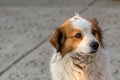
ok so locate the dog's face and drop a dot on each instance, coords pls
(78, 34)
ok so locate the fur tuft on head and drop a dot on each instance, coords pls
(77, 14)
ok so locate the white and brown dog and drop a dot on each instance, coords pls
(80, 51)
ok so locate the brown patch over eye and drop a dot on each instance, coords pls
(94, 32)
(78, 35)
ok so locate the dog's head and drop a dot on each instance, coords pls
(78, 34)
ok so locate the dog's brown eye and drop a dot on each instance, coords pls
(94, 32)
(78, 35)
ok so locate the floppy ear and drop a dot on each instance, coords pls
(57, 39)
(99, 34)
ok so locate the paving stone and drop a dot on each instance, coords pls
(35, 66)
(45, 3)
(17, 36)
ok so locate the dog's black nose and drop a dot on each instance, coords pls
(94, 45)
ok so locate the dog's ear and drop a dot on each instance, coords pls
(57, 39)
(99, 31)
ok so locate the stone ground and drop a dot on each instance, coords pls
(25, 26)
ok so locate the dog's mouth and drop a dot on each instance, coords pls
(90, 53)
(82, 53)
(93, 52)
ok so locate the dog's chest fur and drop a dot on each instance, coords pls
(78, 67)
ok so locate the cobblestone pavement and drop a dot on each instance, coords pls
(25, 26)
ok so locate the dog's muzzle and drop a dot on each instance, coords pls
(94, 47)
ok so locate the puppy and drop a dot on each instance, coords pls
(79, 52)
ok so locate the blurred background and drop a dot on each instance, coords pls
(26, 25)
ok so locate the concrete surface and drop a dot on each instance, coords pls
(25, 26)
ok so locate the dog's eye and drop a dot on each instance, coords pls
(78, 35)
(94, 32)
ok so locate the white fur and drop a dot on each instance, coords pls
(80, 22)
(64, 69)
(84, 45)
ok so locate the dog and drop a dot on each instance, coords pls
(80, 53)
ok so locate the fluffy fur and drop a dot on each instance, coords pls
(72, 61)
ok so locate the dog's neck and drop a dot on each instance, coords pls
(89, 65)
(78, 66)
(86, 59)
(79, 59)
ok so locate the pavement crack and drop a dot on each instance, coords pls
(23, 56)
(92, 3)
(88, 6)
